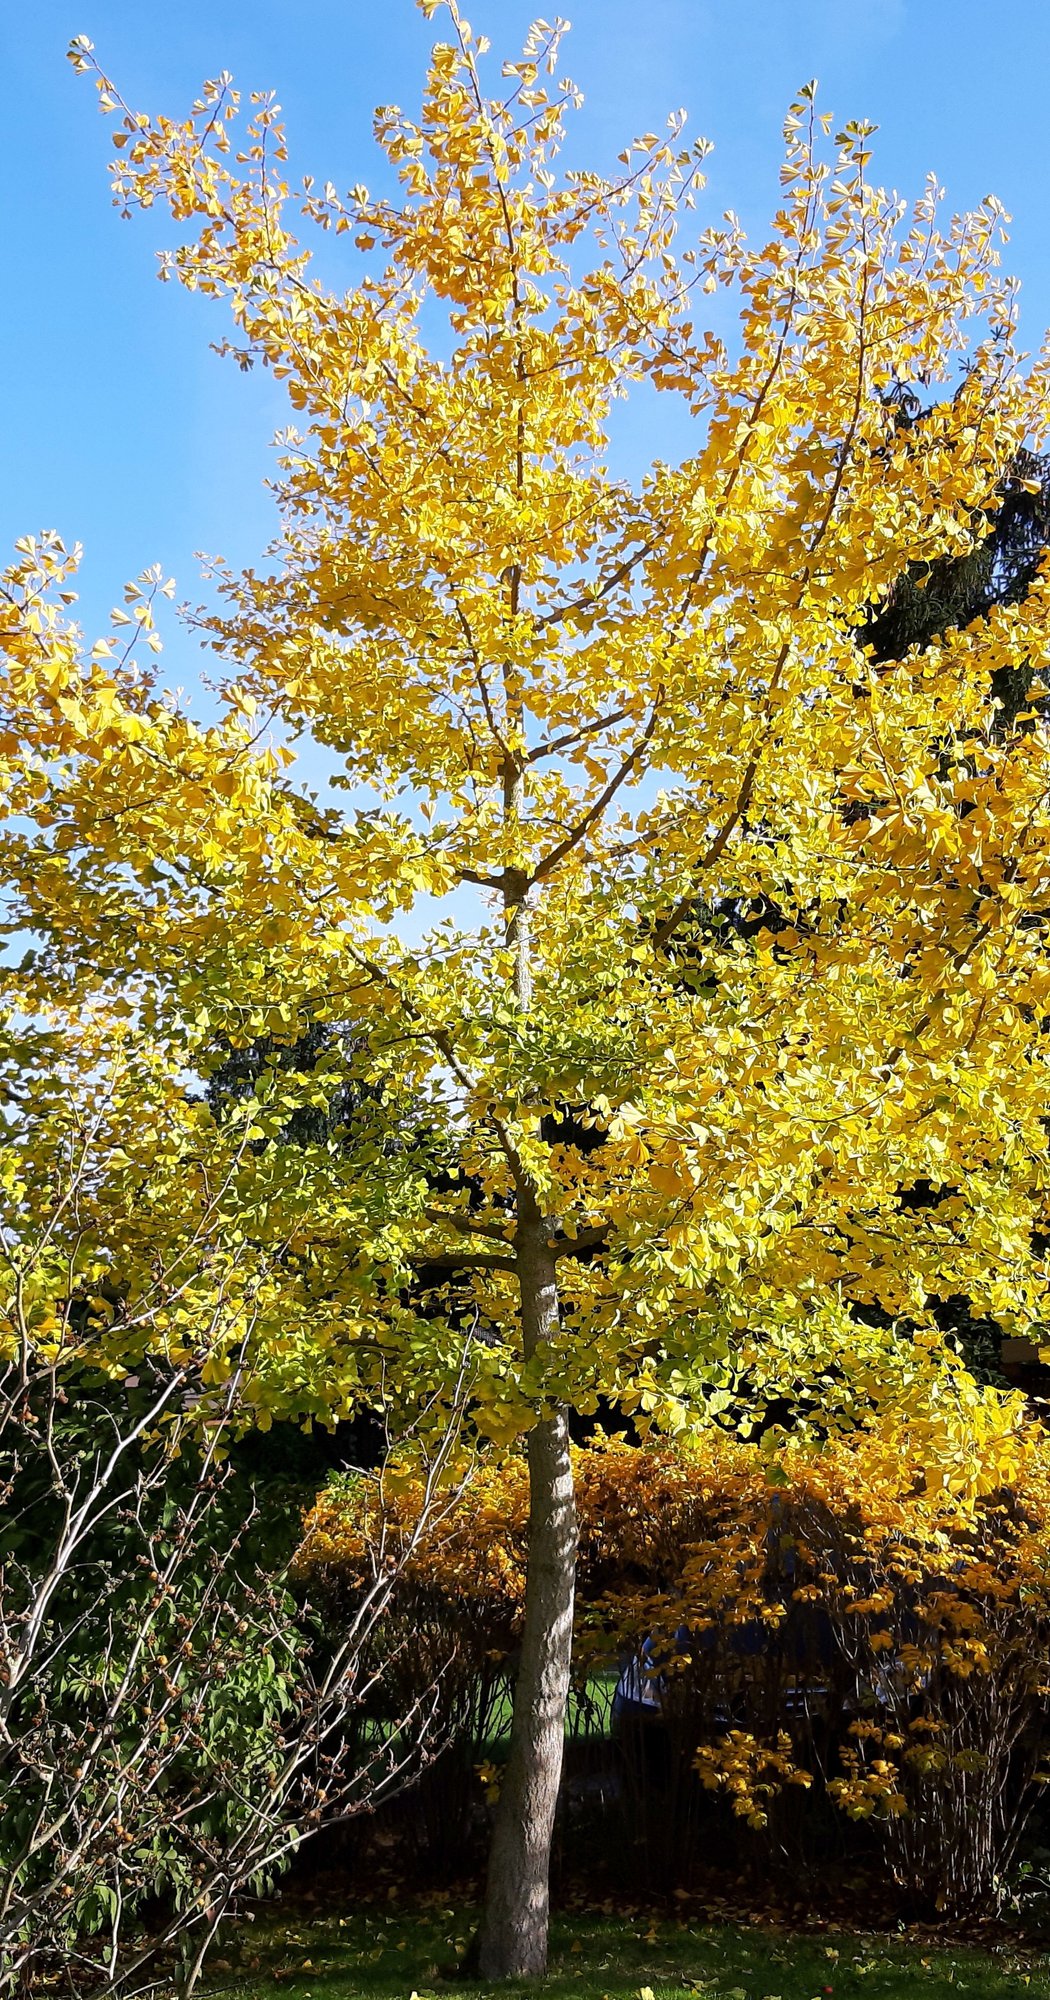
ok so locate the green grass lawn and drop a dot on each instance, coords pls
(406, 1952)
(588, 1717)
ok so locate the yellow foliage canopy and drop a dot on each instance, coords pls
(612, 716)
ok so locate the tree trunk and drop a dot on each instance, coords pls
(513, 1938)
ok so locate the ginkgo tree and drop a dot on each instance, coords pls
(626, 1141)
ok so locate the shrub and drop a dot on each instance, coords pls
(864, 1628)
(173, 1721)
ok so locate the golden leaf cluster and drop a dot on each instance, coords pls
(590, 724)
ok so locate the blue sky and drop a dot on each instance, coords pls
(124, 431)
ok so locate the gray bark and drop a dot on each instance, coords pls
(513, 1938)
(512, 1942)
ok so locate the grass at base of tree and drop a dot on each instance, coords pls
(411, 1950)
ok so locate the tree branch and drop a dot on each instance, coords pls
(587, 1239)
(576, 735)
(463, 1260)
(592, 598)
(550, 861)
(466, 1226)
